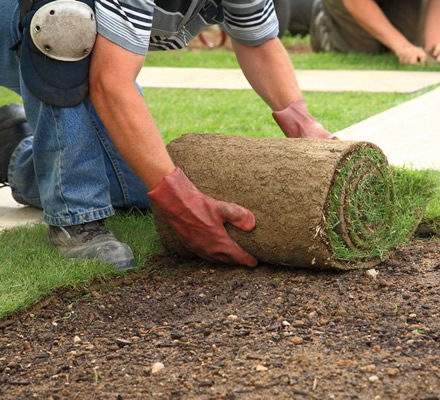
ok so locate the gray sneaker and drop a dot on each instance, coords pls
(91, 240)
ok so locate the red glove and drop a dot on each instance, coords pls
(199, 219)
(296, 122)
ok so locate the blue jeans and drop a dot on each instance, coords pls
(69, 168)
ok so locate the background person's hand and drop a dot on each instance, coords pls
(410, 54)
(199, 220)
(435, 52)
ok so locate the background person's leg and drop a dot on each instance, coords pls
(334, 29)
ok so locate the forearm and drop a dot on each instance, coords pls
(124, 112)
(133, 131)
(270, 72)
(432, 25)
(370, 17)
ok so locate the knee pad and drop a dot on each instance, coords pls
(58, 38)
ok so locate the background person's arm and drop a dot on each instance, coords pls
(370, 16)
(432, 29)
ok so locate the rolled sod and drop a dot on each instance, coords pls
(317, 203)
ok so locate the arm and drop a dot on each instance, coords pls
(270, 72)
(432, 29)
(197, 218)
(370, 16)
(124, 113)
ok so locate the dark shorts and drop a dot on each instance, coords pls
(334, 29)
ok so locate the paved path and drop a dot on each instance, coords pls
(13, 214)
(308, 80)
(409, 134)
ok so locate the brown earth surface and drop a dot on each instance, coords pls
(225, 332)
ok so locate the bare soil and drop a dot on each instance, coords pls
(224, 332)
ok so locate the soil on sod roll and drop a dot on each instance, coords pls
(224, 332)
(317, 203)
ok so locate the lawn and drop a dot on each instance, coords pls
(29, 270)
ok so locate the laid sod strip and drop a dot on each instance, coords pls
(181, 110)
(8, 97)
(30, 270)
(176, 111)
(318, 204)
(223, 58)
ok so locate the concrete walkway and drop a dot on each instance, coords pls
(310, 80)
(408, 133)
(13, 214)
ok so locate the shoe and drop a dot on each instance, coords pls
(91, 240)
(316, 26)
(13, 129)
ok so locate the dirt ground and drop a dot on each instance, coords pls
(223, 332)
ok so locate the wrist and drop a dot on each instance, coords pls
(399, 44)
(296, 122)
(173, 191)
(293, 118)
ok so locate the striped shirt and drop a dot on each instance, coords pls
(142, 25)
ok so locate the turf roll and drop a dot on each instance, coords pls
(317, 203)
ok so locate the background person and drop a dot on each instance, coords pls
(408, 28)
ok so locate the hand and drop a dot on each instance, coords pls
(296, 122)
(435, 52)
(199, 219)
(410, 54)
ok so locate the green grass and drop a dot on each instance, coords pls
(224, 58)
(7, 97)
(29, 270)
(180, 111)
(381, 206)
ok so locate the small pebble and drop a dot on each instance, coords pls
(261, 368)
(76, 339)
(372, 273)
(373, 378)
(232, 317)
(296, 340)
(157, 367)
(313, 315)
(393, 371)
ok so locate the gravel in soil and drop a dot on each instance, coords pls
(193, 330)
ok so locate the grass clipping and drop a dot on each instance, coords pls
(318, 204)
